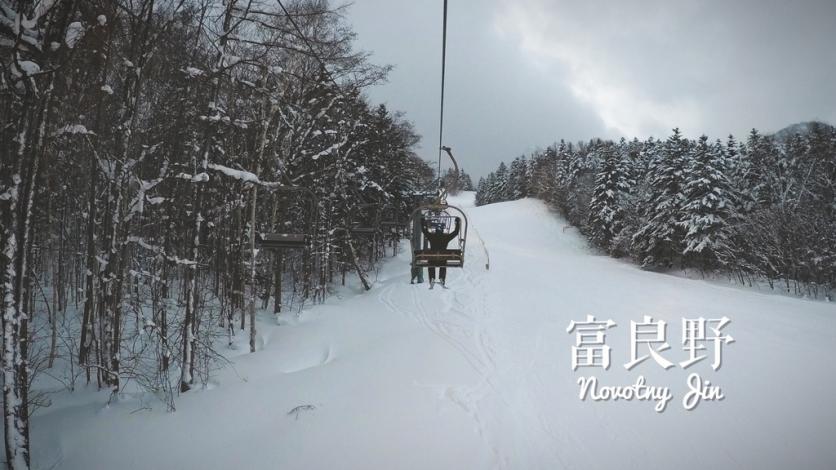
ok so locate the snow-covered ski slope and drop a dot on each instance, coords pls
(479, 375)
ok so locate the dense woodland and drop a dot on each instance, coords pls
(761, 209)
(140, 139)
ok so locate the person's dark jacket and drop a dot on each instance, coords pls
(439, 241)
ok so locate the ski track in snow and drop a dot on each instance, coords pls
(461, 316)
(457, 316)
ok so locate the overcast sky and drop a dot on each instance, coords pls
(524, 73)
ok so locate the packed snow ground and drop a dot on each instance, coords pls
(479, 375)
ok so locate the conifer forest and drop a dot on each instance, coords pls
(761, 209)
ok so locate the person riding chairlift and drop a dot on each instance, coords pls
(438, 242)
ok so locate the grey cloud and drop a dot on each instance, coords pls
(523, 73)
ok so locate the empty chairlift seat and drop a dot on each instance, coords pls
(277, 241)
(366, 220)
(357, 230)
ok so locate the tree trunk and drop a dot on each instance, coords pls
(353, 254)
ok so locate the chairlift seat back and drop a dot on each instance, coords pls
(281, 240)
(438, 258)
(364, 230)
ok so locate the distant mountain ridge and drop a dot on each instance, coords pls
(799, 128)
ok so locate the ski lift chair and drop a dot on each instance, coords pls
(368, 225)
(289, 241)
(441, 216)
(282, 241)
(392, 222)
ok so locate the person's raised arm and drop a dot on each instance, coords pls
(450, 236)
(458, 227)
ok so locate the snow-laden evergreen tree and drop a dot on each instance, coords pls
(517, 179)
(605, 220)
(466, 182)
(480, 192)
(454, 185)
(821, 162)
(562, 177)
(708, 207)
(582, 166)
(632, 168)
(787, 176)
(543, 174)
(487, 195)
(732, 151)
(755, 176)
(499, 186)
(658, 243)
